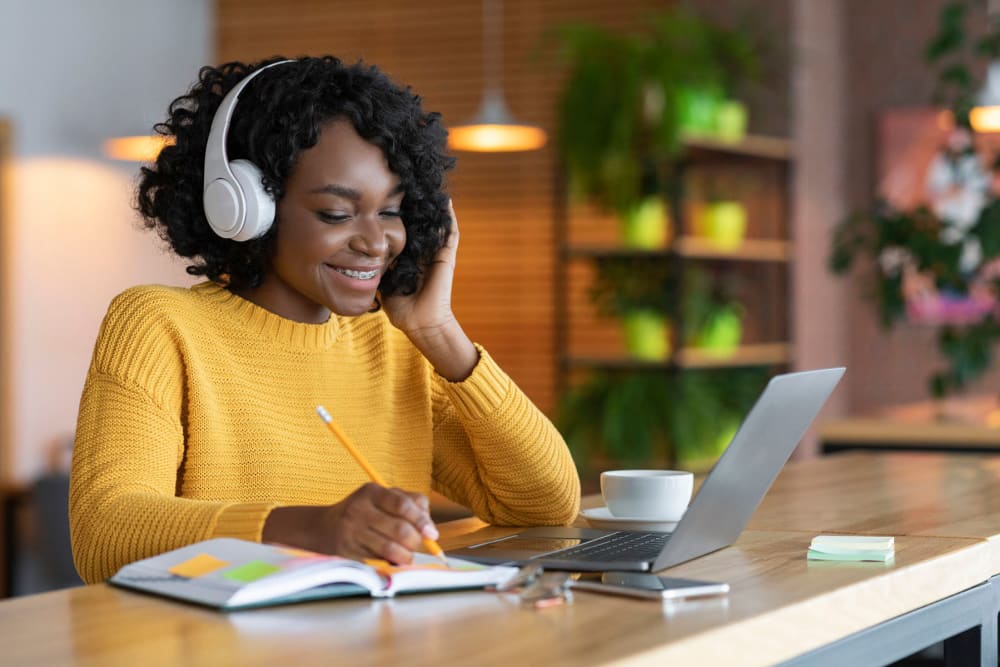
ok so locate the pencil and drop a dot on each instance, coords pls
(430, 544)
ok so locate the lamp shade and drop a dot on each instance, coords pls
(493, 129)
(138, 148)
(985, 116)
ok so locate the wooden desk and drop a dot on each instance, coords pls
(781, 605)
(904, 493)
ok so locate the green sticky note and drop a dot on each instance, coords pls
(252, 571)
(875, 556)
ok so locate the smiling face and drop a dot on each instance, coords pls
(339, 230)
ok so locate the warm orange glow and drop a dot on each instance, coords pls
(136, 149)
(496, 138)
(985, 119)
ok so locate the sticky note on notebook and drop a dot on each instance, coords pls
(252, 571)
(198, 566)
(852, 548)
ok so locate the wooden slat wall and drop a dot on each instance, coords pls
(504, 287)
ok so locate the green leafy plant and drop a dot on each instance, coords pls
(707, 298)
(650, 417)
(618, 114)
(706, 409)
(623, 285)
(917, 233)
(619, 140)
(619, 416)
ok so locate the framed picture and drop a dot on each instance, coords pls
(925, 160)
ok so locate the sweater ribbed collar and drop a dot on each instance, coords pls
(264, 322)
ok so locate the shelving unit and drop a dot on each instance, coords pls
(756, 172)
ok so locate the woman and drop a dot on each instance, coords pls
(198, 415)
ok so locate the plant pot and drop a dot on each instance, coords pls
(731, 121)
(722, 332)
(697, 110)
(647, 225)
(725, 224)
(647, 335)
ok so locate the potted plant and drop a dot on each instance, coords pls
(641, 293)
(618, 419)
(711, 313)
(626, 101)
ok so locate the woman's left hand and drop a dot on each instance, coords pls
(427, 319)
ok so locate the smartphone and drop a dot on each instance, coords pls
(643, 585)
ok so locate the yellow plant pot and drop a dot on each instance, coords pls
(721, 334)
(731, 121)
(725, 224)
(647, 225)
(647, 335)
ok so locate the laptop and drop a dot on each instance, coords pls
(719, 511)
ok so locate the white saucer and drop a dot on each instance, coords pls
(601, 517)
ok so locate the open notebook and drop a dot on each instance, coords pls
(229, 574)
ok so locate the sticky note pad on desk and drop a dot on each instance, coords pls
(852, 548)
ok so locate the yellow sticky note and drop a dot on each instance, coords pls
(198, 566)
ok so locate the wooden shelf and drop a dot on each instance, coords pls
(756, 146)
(695, 247)
(763, 354)
(756, 250)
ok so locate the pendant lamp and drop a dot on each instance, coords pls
(138, 148)
(493, 128)
(985, 116)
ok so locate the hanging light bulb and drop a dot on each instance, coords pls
(139, 148)
(985, 116)
(493, 128)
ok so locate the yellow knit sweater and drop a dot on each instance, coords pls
(199, 416)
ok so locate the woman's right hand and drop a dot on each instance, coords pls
(372, 522)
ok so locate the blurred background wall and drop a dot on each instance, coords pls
(74, 75)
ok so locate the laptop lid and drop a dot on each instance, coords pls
(737, 483)
(723, 505)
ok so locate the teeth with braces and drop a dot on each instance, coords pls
(361, 275)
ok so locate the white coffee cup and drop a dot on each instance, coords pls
(660, 495)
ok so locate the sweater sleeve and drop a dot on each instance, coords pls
(496, 453)
(128, 449)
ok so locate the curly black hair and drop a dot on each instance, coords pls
(280, 114)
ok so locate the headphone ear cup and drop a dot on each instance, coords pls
(259, 205)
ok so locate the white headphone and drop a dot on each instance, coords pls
(236, 204)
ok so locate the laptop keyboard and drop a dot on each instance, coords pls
(625, 545)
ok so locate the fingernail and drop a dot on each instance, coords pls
(430, 532)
